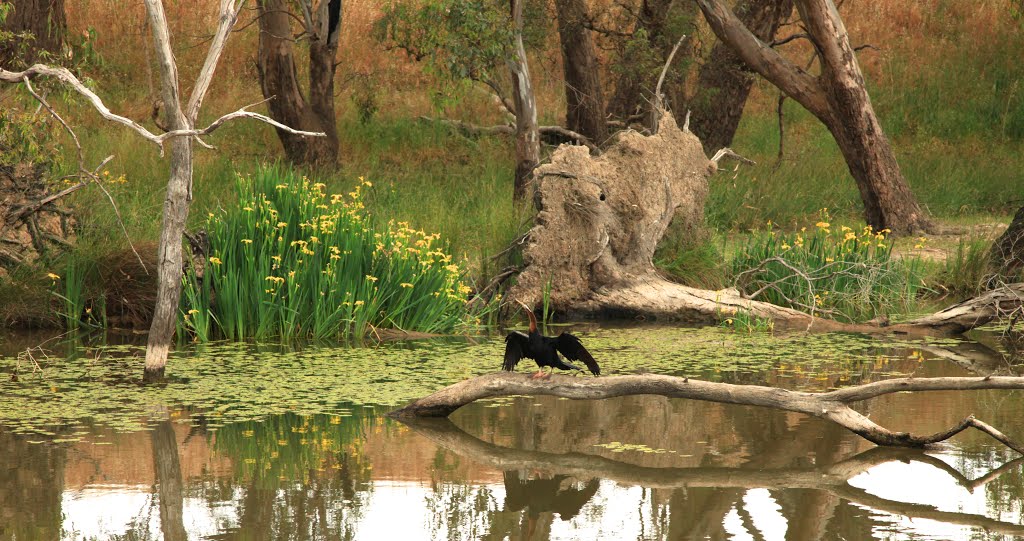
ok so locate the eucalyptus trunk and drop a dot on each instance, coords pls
(46, 23)
(527, 136)
(584, 96)
(176, 202)
(280, 82)
(840, 100)
(724, 81)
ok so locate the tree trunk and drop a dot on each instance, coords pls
(888, 201)
(176, 203)
(1006, 258)
(584, 97)
(527, 138)
(724, 81)
(170, 258)
(45, 20)
(839, 99)
(279, 79)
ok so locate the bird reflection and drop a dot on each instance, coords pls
(545, 494)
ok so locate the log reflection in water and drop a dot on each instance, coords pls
(833, 478)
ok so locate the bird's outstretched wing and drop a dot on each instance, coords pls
(515, 344)
(573, 349)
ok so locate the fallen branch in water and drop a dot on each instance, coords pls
(832, 405)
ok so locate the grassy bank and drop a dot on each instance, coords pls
(962, 162)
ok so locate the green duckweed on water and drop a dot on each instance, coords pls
(243, 382)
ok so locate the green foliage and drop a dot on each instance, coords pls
(965, 272)
(293, 445)
(834, 272)
(26, 139)
(79, 309)
(463, 40)
(288, 261)
(744, 321)
(693, 262)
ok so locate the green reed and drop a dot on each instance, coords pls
(292, 261)
(835, 272)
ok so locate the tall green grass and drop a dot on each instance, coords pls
(288, 261)
(831, 271)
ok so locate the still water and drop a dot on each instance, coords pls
(253, 442)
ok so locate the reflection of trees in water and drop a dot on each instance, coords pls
(802, 469)
(167, 472)
(460, 511)
(31, 487)
(303, 477)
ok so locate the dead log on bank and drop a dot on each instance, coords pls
(832, 406)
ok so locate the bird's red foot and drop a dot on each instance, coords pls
(536, 375)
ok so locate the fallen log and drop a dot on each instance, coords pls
(832, 406)
(833, 478)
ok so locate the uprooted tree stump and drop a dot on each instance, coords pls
(832, 406)
(600, 219)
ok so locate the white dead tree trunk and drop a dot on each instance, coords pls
(527, 135)
(181, 124)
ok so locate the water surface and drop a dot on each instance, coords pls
(263, 442)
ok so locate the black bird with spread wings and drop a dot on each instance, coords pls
(545, 350)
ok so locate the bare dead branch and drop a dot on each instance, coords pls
(229, 10)
(69, 79)
(791, 37)
(832, 406)
(728, 153)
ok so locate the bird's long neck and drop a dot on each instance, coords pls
(533, 321)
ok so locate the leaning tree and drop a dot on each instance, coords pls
(181, 124)
(838, 97)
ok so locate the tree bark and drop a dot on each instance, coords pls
(724, 81)
(527, 136)
(1006, 257)
(279, 79)
(832, 406)
(839, 99)
(176, 203)
(584, 96)
(45, 20)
